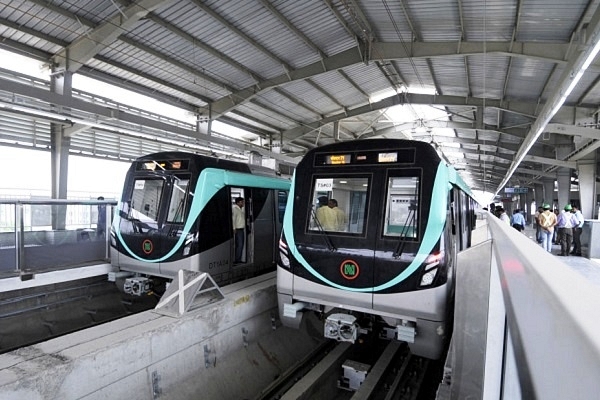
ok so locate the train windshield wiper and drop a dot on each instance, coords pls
(322, 231)
(408, 224)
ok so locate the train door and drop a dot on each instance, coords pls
(262, 233)
(240, 238)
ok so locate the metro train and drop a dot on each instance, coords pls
(386, 263)
(175, 213)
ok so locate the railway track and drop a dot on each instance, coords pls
(31, 316)
(380, 370)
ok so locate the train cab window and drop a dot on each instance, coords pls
(178, 202)
(145, 199)
(339, 204)
(401, 207)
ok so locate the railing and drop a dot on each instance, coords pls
(41, 235)
(526, 325)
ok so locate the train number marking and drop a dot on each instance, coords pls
(349, 269)
(147, 246)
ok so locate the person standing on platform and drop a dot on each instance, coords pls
(538, 228)
(502, 215)
(577, 231)
(517, 220)
(547, 223)
(555, 235)
(565, 223)
(239, 225)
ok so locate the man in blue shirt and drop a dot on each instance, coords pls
(517, 220)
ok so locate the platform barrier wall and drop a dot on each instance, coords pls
(43, 235)
(525, 323)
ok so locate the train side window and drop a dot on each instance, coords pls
(145, 199)
(339, 204)
(178, 202)
(401, 209)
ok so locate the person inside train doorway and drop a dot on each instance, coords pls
(101, 225)
(239, 224)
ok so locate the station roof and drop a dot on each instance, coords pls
(496, 85)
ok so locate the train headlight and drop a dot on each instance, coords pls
(285, 261)
(428, 277)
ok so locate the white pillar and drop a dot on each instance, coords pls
(587, 188)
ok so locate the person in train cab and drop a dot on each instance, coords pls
(101, 224)
(517, 220)
(239, 223)
(577, 231)
(565, 223)
(326, 216)
(547, 223)
(340, 215)
(538, 227)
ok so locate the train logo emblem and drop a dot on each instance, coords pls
(349, 269)
(147, 246)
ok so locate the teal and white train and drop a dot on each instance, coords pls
(382, 260)
(176, 213)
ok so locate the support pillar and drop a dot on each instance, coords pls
(528, 200)
(539, 194)
(548, 191)
(60, 143)
(563, 175)
(587, 188)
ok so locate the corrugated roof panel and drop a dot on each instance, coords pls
(549, 20)
(487, 74)
(244, 16)
(415, 73)
(340, 88)
(451, 75)
(527, 78)
(386, 19)
(318, 23)
(491, 20)
(186, 52)
(163, 69)
(313, 97)
(368, 77)
(93, 10)
(285, 106)
(281, 121)
(435, 20)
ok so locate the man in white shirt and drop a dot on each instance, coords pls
(577, 231)
(239, 225)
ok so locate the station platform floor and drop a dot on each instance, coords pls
(589, 268)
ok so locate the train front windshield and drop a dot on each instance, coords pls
(145, 200)
(340, 205)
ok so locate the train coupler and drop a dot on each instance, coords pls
(137, 285)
